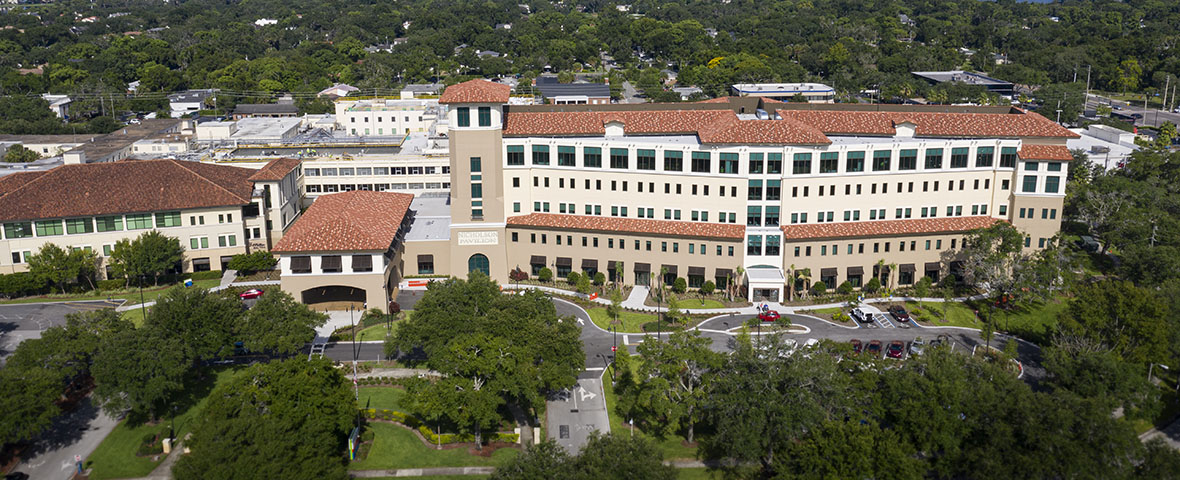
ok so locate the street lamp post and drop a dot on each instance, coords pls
(356, 387)
(142, 307)
(1152, 366)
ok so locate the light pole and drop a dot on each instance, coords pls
(1152, 366)
(355, 386)
(142, 307)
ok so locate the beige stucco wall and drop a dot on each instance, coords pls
(439, 249)
(380, 285)
(521, 251)
(188, 229)
(822, 256)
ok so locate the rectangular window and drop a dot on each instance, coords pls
(540, 154)
(592, 157)
(773, 243)
(49, 227)
(110, 223)
(801, 164)
(907, 160)
(477, 190)
(566, 157)
(829, 162)
(1030, 184)
(618, 158)
(774, 189)
(959, 157)
(933, 158)
(755, 190)
(985, 156)
(772, 216)
(855, 162)
(774, 163)
(485, 116)
(140, 221)
(1052, 184)
(673, 161)
(1053, 166)
(729, 163)
(1008, 157)
(754, 245)
(169, 219)
(645, 159)
(754, 216)
(463, 116)
(881, 160)
(755, 163)
(79, 225)
(515, 155)
(1030, 166)
(701, 162)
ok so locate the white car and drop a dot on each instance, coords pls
(859, 315)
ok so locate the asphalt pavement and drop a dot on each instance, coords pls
(23, 321)
(1151, 116)
(76, 433)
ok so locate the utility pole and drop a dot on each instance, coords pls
(1088, 81)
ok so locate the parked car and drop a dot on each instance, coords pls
(895, 350)
(917, 346)
(899, 313)
(251, 293)
(769, 316)
(859, 315)
(874, 348)
(857, 346)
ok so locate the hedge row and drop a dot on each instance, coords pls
(390, 381)
(444, 439)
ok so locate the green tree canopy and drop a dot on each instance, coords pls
(287, 419)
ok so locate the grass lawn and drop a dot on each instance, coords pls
(382, 397)
(690, 302)
(1033, 323)
(135, 316)
(671, 446)
(396, 447)
(375, 332)
(957, 314)
(115, 456)
(697, 474)
(632, 321)
(150, 293)
(828, 311)
(437, 477)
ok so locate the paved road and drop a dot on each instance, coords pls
(76, 433)
(1151, 116)
(22, 321)
(631, 95)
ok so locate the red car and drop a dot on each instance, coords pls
(768, 316)
(251, 293)
(874, 348)
(896, 349)
(857, 346)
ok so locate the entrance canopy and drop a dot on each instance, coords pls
(762, 278)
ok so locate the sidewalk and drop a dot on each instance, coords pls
(422, 472)
(218, 288)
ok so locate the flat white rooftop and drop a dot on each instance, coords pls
(783, 88)
(432, 218)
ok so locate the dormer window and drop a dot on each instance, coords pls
(905, 129)
(614, 128)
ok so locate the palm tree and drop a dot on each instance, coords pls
(804, 276)
(791, 275)
(892, 268)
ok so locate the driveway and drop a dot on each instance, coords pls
(75, 433)
(22, 321)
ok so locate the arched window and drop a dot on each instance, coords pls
(479, 262)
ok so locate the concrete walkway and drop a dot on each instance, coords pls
(228, 278)
(218, 288)
(422, 472)
(635, 300)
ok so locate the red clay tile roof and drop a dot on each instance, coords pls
(351, 221)
(11, 182)
(885, 228)
(930, 124)
(276, 170)
(476, 91)
(124, 187)
(711, 126)
(629, 225)
(1045, 152)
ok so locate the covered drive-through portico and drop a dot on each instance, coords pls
(765, 283)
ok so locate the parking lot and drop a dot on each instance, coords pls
(20, 322)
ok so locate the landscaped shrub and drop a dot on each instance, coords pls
(504, 437)
(819, 288)
(113, 284)
(518, 275)
(845, 288)
(446, 438)
(872, 285)
(663, 327)
(373, 316)
(599, 278)
(680, 285)
(545, 275)
(573, 278)
(708, 287)
(149, 446)
(21, 284)
(248, 263)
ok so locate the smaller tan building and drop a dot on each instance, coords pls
(346, 249)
